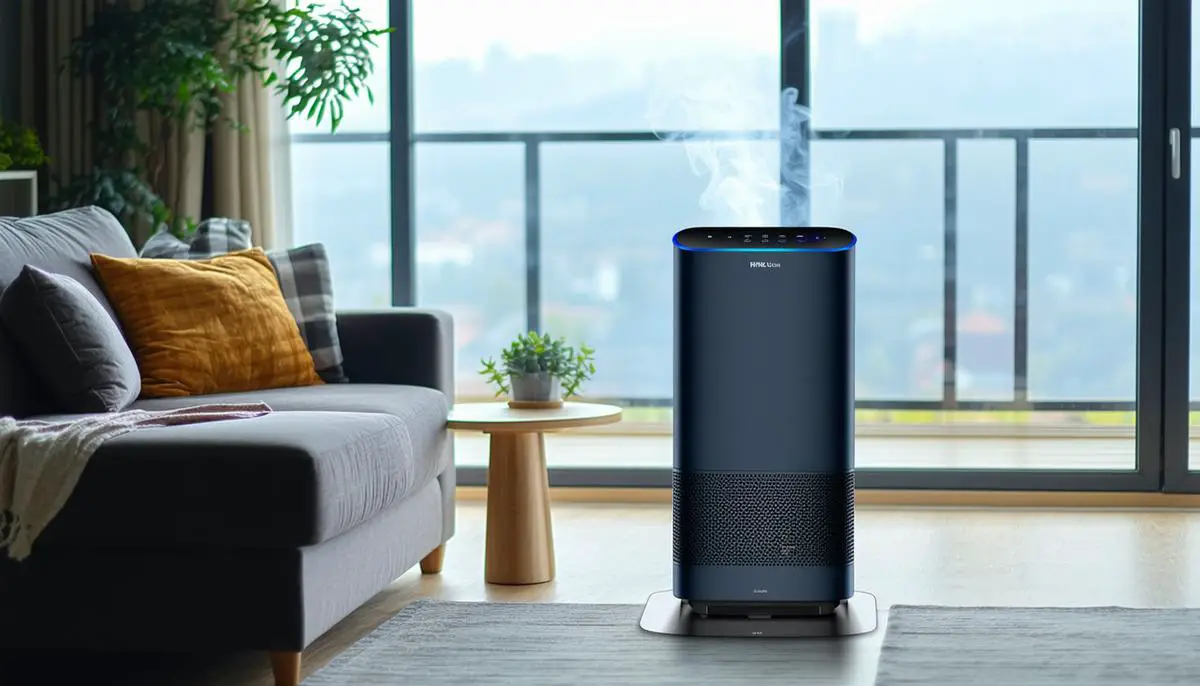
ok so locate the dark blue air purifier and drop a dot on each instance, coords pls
(763, 479)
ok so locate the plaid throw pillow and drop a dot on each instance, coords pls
(165, 245)
(307, 284)
(304, 277)
(220, 235)
(212, 237)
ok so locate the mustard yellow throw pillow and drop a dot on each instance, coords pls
(206, 326)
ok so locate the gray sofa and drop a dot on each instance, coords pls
(255, 534)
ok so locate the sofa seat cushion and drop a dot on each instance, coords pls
(326, 460)
(423, 410)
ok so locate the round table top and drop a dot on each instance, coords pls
(496, 417)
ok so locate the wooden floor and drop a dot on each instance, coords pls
(621, 554)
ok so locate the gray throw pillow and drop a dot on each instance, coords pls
(75, 347)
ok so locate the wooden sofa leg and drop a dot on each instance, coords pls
(286, 667)
(432, 563)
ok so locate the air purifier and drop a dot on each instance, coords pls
(763, 475)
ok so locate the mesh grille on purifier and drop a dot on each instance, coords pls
(763, 519)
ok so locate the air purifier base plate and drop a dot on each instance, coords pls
(666, 614)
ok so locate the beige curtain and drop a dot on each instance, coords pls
(239, 181)
(241, 169)
(180, 181)
(241, 165)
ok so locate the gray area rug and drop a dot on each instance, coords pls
(995, 646)
(439, 642)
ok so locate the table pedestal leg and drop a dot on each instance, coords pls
(520, 540)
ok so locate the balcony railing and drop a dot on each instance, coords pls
(950, 139)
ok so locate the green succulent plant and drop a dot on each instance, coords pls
(533, 353)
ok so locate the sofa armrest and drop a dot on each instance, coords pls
(399, 345)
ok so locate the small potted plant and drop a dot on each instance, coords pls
(538, 371)
(20, 147)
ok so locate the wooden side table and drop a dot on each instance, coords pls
(520, 538)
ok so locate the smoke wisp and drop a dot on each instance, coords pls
(757, 165)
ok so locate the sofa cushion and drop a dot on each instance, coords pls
(327, 459)
(213, 236)
(207, 326)
(304, 275)
(59, 243)
(77, 350)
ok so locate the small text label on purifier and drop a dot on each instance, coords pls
(765, 265)
(759, 590)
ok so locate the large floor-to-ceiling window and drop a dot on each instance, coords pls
(1023, 290)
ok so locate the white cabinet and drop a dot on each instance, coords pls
(26, 177)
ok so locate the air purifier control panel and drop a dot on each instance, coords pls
(766, 239)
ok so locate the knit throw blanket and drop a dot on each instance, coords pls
(40, 461)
